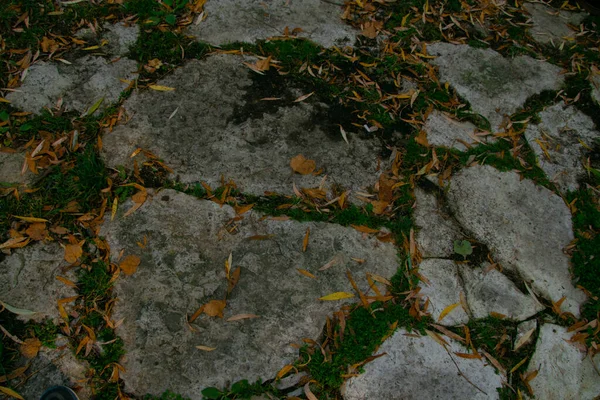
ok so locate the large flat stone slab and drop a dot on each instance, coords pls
(551, 25)
(565, 372)
(80, 84)
(560, 142)
(525, 226)
(495, 86)
(420, 368)
(28, 280)
(182, 268)
(229, 21)
(198, 131)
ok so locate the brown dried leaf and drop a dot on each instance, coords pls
(130, 264)
(73, 252)
(302, 165)
(306, 273)
(305, 241)
(37, 231)
(214, 308)
(30, 347)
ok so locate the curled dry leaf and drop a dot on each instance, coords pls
(302, 165)
(130, 264)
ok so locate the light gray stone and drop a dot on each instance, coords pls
(560, 142)
(28, 280)
(182, 268)
(551, 25)
(523, 329)
(198, 131)
(52, 367)
(525, 226)
(492, 291)
(565, 372)
(444, 131)
(420, 368)
(436, 230)
(494, 86)
(229, 21)
(80, 85)
(120, 37)
(443, 288)
(11, 165)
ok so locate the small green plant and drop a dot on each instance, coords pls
(463, 247)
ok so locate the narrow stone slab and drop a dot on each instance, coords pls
(116, 38)
(525, 226)
(492, 292)
(551, 25)
(443, 288)
(28, 280)
(564, 371)
(495, 86)
(444, 131)
(80, 85)
(229, 21)
(188, 241)
(416, 368)
(436, 230)
(559, 142)
(11, 165)
(201, 130)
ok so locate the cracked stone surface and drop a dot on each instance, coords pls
(560, 142)
(182, 268)
(565, 372)
(551, 25)
(52, 367)
(229, 21)
(436, 230)
(444, 131)
(523, 328)
(79, 85)
(11, 165)
(494, 86)
(525, 226)
(33, 269)
(201, 130)
(419, 368)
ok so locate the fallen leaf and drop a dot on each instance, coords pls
(337, 296)
(15, 243)
(283, 371)
(30, 347)
(11, 393)
(309, 395)
(468, 355)
(214, 308)
(130, 264)
(37, 231)
(303, 97)
(306, 273)
(302, 165)
(31, 219)
(436, 337)
(364, 229)
(243, 209)
(161, 88)
(205, 348)
(523, 339)
(240, 317)
(18, 311)
(73, 252)
(447, 311)
(305, 241)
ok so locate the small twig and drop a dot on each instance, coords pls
(14, 338)
(461, 373)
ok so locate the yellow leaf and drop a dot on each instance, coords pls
(130, 264)
(306, 273)
(239, 317)
(30, 347)
(516, 367)
(11, 393)
(243, 209)
(92, 48)
(337, 296)
(283, 371)
(66, 281)
(161, 88)
(205, 348)
(447, 311)
(302, 165)
(73, 252)
(305, 241)
(114, 208)
(31, 219)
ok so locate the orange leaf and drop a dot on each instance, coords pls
(302, 165)
(66, 281)
(73, 252)
(243, 209)
(305, 241)
(364, 229)
(130, 264)
(15, 243)
(283, 371)
(468, 355)
(214, 308)
(447, 311)
(30, 347)
(306, 273)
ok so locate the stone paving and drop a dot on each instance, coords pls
(213, 125)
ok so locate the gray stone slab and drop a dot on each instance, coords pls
(492, 292)
(182, 268)
(198, 131)
(443, 288)
(11, 165)
(551, 25)
(229, 21)
(28, 280)
(565, 372)
(436, 230)
(525, 226)
(114, 39)
(52, 367)
(416, 368)
(560, 142)
(494, 86)
(444, 131)
(80, 84)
